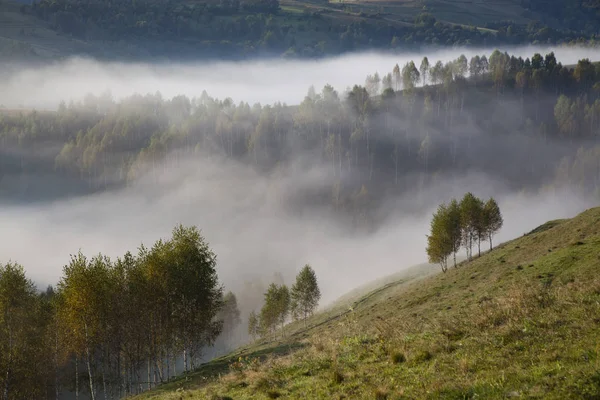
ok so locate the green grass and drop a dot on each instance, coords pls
(520, 321)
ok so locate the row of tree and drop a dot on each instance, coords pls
(465, 223)
(279, 302)
(112, 327)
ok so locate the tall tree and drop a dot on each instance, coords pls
(493, 219)
(424, 69)
(253, 325)
(439, 245)
(305, 292)
(470, 215)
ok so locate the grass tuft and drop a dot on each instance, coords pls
(381, 394)
(337, 377)
(398, 358)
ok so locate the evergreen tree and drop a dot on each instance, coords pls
(305, 293)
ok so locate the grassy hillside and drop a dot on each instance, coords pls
(520, 321)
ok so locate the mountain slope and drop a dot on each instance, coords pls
(520, 321)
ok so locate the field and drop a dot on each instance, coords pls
(520, 321)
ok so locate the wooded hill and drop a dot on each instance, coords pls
(182, 29)
(384, 138)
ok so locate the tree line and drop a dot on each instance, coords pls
(404, 129)
(279, 302)
(462, 224)
(115, 327)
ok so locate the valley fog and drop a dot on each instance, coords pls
(264, 81)
(242, 212)
(243, 216)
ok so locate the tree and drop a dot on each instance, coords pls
(396, 77)
(424, 69)
(21, 354)
(276, 307)
(229, 314)
(253, 325)
(439, 245)
(470, 215)
(452, 226)
(493, 220)
(305, 292)
(461, 66)
(410, 76)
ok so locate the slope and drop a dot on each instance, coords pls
(520, 321)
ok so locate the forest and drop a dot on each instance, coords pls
(421, 123)
(119, 327)
(249, 28)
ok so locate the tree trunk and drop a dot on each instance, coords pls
(104, 384)
(8, 364)
(56, 390)
(490, 242)
(76, 377)
(168, 367)
(185, 361)
(149, 376)
(89, 364)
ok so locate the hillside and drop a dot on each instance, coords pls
(291, 28)
(520, 321)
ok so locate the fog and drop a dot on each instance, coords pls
(241, 212)
(264, 81)
(243, 216)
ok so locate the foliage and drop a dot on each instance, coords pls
(276, 308)
(459, 224)
(305, 293)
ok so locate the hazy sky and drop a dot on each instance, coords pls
(264, 81)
